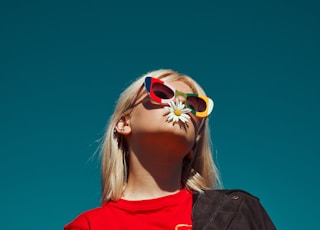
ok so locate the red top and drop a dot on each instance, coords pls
(168, 212)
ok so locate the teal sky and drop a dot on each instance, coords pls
(64, 63)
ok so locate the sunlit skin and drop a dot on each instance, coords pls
(156, 148)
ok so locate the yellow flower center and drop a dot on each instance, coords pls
(177, 112)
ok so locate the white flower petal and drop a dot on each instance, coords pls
(175, 106)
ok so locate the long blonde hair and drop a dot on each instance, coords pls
(199, 173)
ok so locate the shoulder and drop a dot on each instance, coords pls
(234, 206)
(226, 194)
(233, 194)
(228, 198)
(83, 221)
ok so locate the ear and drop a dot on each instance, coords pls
(123, 126)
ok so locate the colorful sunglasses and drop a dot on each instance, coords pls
(162, 93)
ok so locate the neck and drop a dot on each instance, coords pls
(153, 175)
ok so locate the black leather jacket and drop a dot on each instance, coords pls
(229, 210)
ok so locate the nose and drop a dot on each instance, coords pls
(180, 98)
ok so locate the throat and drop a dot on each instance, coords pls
(152, 181)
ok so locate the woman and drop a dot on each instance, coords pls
(157, 166)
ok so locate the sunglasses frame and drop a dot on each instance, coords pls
(149, 81)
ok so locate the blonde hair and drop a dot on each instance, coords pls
(199, 173)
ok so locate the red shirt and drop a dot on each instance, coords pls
(168, 212)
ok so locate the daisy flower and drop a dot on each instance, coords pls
(177, 111)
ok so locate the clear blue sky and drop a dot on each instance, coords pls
(64, 63)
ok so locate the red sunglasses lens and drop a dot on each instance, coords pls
(162, 91)
(197, 103)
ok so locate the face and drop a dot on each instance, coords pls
(149, 124)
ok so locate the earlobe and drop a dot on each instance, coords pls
(123, 127)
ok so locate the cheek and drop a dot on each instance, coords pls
(151, 118)
(144, 117)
